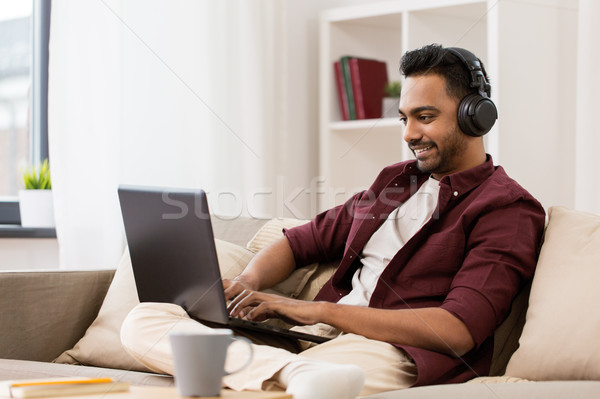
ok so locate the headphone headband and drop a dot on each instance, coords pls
(473, 65)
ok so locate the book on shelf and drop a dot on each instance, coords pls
(341, 90)
(345, 62)
(48, 387)
(369, 78)
(360, 84)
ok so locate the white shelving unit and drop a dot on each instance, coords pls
(351, 153)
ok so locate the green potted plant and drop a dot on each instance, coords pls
(391, 99)
(35, 201)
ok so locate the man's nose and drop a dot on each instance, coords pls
(411, 133)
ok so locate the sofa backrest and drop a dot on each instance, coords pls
(46, 313)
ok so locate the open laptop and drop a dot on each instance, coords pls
(173, 255)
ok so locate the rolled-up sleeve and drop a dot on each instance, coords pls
(304, 244)
(324, 238)
(474, 310)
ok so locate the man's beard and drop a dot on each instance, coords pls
(445, 160)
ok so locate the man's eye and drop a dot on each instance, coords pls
(425, 118)
(402, 120)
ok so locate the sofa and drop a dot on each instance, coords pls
(66, 323)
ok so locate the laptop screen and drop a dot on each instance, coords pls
(172, 249)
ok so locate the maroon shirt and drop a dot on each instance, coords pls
(471, 258)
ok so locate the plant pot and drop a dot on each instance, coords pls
(36, 208)
(390, 107)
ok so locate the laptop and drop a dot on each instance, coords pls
(173, 255)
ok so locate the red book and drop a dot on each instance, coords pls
(341, 90)
(369, 78)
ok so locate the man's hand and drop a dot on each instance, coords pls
(269, 267)
(258, 306)
(430, 328)
(235, 287)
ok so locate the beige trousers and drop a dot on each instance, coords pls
(145, 335)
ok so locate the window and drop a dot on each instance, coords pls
(24, 33)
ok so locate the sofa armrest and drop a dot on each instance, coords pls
(46, 312)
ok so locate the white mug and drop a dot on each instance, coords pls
(199, 360)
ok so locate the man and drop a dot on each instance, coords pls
(431, 257)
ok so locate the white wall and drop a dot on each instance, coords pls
(587, 191)
(28, 253)
(535, 91)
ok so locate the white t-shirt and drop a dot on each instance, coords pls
(391, 236)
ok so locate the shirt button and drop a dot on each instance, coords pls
(350, 256)
(456, 193)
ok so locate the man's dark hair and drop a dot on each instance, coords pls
(434, 59)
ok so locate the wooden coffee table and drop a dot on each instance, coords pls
(149, 392)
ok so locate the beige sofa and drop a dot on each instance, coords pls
(64, 323)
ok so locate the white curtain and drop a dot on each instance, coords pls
(84, 127)
(166, 93)
(587, 168)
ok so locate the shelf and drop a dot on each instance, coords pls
(380, 13)
(18, 231)
(364, 124)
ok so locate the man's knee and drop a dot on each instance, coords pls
(145, 315)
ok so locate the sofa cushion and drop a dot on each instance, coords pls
(101, 344)
(34, 301)
(560, 336)
(517, 390)
(272, 231)
(495, 380)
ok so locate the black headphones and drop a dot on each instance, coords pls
(477, 113)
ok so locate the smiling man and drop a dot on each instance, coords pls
(429, 112)
(431, 257)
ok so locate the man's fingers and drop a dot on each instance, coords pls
(252, 302)
(245, 299)
(235, 300)
(259, 313)
(233, 288)
(258, 306)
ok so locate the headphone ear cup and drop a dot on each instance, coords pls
(476, 115)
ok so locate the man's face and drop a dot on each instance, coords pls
(431, 126)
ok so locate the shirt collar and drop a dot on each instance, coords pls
(466, 180)
(460, 182)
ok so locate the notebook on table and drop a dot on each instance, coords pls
(174, 259)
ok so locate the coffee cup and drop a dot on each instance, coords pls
(199, 360)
